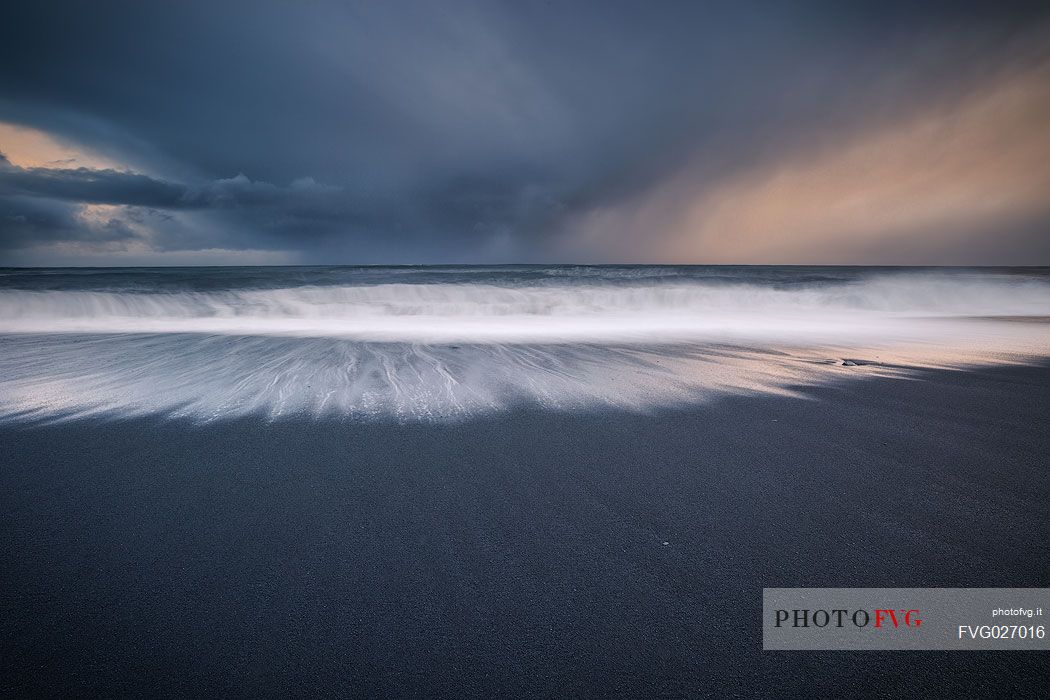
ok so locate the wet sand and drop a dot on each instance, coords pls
(536, 554)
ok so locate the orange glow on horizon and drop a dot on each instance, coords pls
(32, 148)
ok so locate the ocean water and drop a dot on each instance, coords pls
(426, 343)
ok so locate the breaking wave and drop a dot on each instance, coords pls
(438, 344)
(486, 312)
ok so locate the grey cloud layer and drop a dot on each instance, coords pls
(435, 132)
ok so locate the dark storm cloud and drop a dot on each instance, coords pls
(416, 132)
(90, 185)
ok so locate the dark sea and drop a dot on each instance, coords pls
(227, 279)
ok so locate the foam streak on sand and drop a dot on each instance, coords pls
(436, 344)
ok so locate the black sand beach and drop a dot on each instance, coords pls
(509, 350)
(535, 554)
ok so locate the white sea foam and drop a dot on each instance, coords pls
(542, 313)
(441, 351)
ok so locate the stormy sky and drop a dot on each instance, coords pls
(272, 132)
